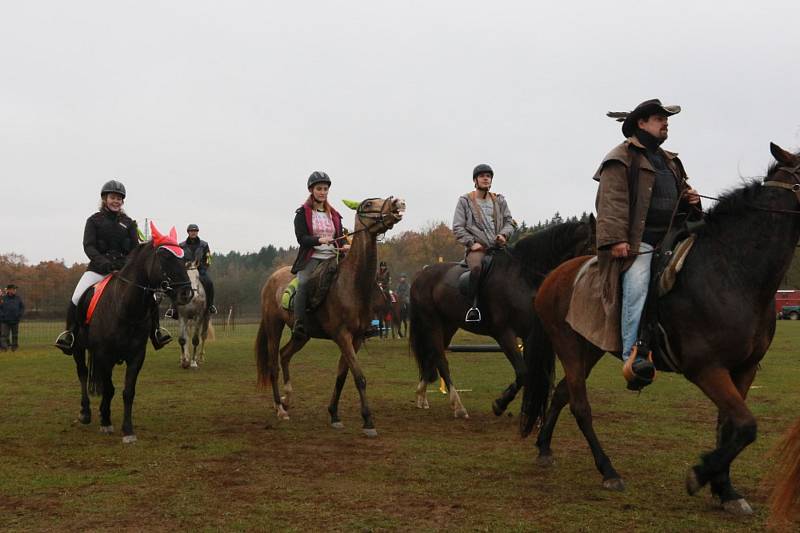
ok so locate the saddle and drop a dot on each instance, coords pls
(464, 277)
(320, 282)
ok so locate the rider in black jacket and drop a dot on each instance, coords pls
(108, 238)
(197, 250)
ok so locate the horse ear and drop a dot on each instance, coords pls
(352, 204)
(173, 234)
(781, 155)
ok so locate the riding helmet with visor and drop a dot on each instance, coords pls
(192, 227)
(113, 186)
(481, 169)
(318, 177)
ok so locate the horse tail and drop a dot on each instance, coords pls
(266, 366)
(785, 499)
(420, 340)
(540, 360)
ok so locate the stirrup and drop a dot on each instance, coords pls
(65, 342)
(170, 313)
(637, 380)
(473, 315)
(212, 309)
(161, 337)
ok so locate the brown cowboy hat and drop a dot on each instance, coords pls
(647, 108)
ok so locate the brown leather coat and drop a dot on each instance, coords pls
(616, 222)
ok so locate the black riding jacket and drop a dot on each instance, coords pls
(197, 249)
(107, 239)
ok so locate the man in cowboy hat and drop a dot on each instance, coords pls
(482, 223)
(641, 187)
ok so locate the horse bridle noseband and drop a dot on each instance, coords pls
(163, 288)
(794, 172)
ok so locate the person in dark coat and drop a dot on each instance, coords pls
(630, 223)
(318, 228)
(108, 237)
(11, 310)
(197, 250)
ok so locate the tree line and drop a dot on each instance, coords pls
(47, 286)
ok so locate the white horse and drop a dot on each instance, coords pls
(194, 317)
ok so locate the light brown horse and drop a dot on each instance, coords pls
(786, 495)
(344, 316)
(738, 261)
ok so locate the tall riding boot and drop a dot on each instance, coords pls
(208, 286)
(300, 299)
(66, 339)
(159, 337)
(474, 314)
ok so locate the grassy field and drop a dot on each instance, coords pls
(211, 454)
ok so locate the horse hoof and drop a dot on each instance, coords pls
(128, 439)
(693, 484)
(338, 425)
(282, 414)
(738, 507)
(461, 413)
(184, 364)
(193, 364)
(497, 409)
(615, 484)
(371, 432)
(422, 402)
(107, 429)
(545, 461)
(85, 419)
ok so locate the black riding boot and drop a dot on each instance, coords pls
(300, 299)
(474, 314)
(159, 337)
(639, 370)
(66, 339)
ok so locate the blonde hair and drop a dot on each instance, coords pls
(325, 204)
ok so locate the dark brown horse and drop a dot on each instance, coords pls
(786, 495)
(382, 310)
(437, 308)
(737, 263)
(121, 324)
(344, 316)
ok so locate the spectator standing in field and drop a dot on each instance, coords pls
(11, 310)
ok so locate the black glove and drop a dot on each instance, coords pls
(117, 263)
(104, 267)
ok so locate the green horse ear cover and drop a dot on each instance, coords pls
(352, 204)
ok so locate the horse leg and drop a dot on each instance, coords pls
(105, 402)
(557, 402)
(508, 343)
(333, 407)
(85, 416)
(286, 353)
(459, 411)
(131, 375)
(182, 341)
(195, 343)
(577, 358)
(348, 347)
(721, 485)
(736, 430)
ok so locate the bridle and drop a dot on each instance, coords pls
(379, 216)
(794, 172)
(165, 287)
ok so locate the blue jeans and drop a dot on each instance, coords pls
(635, 282)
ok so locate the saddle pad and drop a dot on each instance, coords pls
(98, 287)
(667, 279)
(287, 298)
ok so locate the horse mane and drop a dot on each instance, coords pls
(540, 252)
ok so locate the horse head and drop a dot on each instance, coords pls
(378, 215)
(167, 272)
(787, 169)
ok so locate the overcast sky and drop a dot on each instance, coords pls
(216, 112)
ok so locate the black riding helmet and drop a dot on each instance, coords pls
(480, 169)
(318, 177)
(192, 227)
(113, 186)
